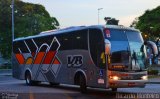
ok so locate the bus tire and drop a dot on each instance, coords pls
(82, 83)
(114, 89)
(28, 78)
(54, 84)
(35, 83)
(30, 82)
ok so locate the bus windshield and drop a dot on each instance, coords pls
(138, 53)
(126, 50)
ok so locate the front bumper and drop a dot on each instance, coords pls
(127, 83)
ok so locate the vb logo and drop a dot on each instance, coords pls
(74, 60)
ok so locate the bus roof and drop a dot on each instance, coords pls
(74, 28)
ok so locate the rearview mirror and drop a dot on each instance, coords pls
(107, 47)
(153, 46)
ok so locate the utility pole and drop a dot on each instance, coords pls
(12, 20)
(12, 27)
(98, 14)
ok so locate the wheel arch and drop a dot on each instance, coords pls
(77, 74)
(28, 71)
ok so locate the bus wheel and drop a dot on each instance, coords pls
(82, 84)
(28, 79)
(114, 89)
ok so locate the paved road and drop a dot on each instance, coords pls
(16, 89)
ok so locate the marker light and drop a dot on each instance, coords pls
(108, 34)
(114, 77)
(144, 77)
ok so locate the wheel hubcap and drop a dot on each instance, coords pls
(28, 80)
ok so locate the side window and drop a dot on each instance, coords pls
(40, 41)
(65, 41)
(15, 47)
(31, 45)
(96, 42)
(20, 46)
(80, 40)
(74, 40)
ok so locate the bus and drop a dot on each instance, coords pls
(97, 56)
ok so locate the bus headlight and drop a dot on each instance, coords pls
(144, 77)
(114, 78)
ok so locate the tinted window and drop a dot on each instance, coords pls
(74, 40)
(96, 42)
(31, 45)
(134, 36)
(19, 46)
(119, 45)
(116, 35)
(80, 40)
(65, 41)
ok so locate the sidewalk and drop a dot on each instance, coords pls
(5, 72)
(154, 80)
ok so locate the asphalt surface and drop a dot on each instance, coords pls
(11, 88)
(19, 90)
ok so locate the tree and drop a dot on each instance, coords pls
(149, 23)
(30, 19)
(134, 23)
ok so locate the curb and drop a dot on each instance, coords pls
(153, 82)
(5, 74)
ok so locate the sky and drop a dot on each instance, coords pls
(85, 12)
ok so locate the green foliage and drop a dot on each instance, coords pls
(8, 66)
(153, 72)
(149, 23)
(30, 19)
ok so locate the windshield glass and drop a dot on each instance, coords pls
(126, 50)
(137, 50)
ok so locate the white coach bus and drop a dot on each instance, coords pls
(98, 56)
